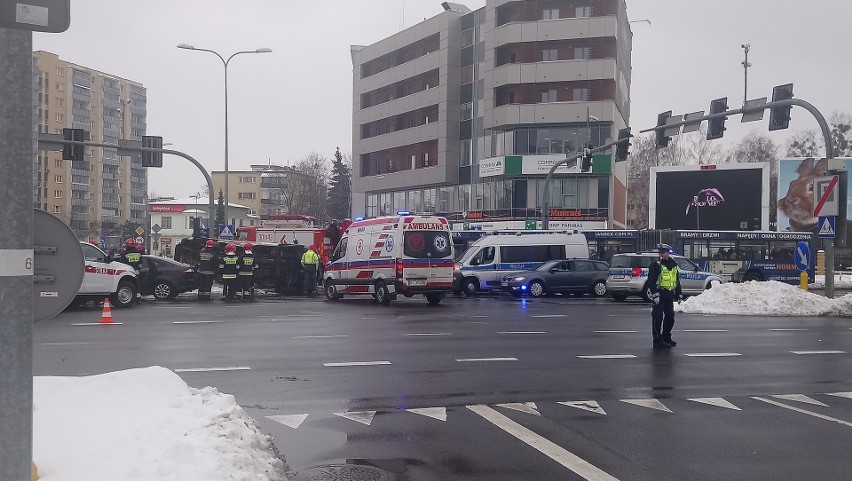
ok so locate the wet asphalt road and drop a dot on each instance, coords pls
(703, 410)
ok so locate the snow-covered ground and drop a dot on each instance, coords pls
(145, 425)
(841, 281)
(770, 298)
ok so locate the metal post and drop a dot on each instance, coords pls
(746, 65)
(227, 175)
(16, 253)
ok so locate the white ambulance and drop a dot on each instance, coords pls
(387, 256)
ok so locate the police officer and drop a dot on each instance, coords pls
(247, 266)
(664, 282)
(206, 271)
(229, 270)
(310, 263)
(133, 258)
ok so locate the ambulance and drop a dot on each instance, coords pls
(406, 254)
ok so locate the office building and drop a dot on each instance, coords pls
(465, 113)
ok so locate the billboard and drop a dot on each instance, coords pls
(710, 197)
(795, 194)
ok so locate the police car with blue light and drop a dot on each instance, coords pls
(628, 276)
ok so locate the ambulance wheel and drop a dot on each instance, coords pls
(331, 291)
(434, 299)
(383, 295)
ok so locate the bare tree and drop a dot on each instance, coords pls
(803, 143)
(308, 196)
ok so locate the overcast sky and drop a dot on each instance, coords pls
(297, 99)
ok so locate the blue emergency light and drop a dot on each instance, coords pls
(358, 219)
(403, 212)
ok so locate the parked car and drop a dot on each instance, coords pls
(628, 276)
(576, 276)
(165, 278)
(104, 278)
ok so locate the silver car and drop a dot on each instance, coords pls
(628, 276)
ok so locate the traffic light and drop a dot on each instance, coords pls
(73, 152)
(152, 159)
(779, 117)
(587, 158)
(662, 139)
(622, 149)
(716, 127)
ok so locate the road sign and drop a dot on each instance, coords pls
(140, 231)
(827, 226)
(826, 196)
(104, 241)
(140, 241)
(226, 231)
(802, 256)
(156, 228)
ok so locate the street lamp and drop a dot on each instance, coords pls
(225, 63)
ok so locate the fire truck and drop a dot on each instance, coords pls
(295, 229)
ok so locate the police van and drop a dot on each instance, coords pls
(487, 260)
(387, 256)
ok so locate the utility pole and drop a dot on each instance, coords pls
(746, 65)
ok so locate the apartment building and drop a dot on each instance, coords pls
(95, 196)
(465, 113)
(266, 189)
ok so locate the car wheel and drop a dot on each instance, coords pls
(330, 291)
(382, 293)
(536, 289)
(434, 299)
(124, 296)
(470, 286)
(164, 290)
(646, 293)
(752, 276)
(599, 289)
(618, 297)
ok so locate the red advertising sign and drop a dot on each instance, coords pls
(166, 207)
(166, 240)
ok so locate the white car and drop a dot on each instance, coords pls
(628, 276)
(103, 278)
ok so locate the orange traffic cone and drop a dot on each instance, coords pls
(106, 316)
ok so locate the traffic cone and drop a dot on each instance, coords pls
(106, 316)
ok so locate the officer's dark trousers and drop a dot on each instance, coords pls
(205, 285)
(310, 278)
(246, 283)
(662, 317)
(230, 288)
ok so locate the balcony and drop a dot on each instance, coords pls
(563, 29)
(555, 113)
(556, 71)
(401, 138)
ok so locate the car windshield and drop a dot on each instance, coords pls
(547, 266)
(619, 262)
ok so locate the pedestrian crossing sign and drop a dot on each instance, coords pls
(226, 232)
(826, 227)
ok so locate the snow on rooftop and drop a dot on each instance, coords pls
(770, 298)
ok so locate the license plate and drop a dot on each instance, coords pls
(618, 277)
(417, 282)
(504, 284)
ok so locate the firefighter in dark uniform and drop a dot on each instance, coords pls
(133, 258)
(247, 266)
(206, 270)
(664, 283)
(229, 269)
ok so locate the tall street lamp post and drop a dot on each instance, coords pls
(225, 63)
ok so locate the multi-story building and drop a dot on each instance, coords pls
(266, 189)
(465, 112)
(98, 195)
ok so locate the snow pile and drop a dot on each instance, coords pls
(145, 425)
(841, 281)
(770, 298)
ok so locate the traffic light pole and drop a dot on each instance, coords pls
(51, 141)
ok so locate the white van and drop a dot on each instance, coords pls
(487, 260)
(386, 256)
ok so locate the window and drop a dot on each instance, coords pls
(59, 102)
(247, 195)
(580, 95)
(60, 87)
(583, 12)
(57, 162)
(549, 55)
(340, 252)
(166, 222)
(484, 257)
(685, 265)
(550, 14)
(57, 209)
(582, 53)
(425, 244)
(60, 72)
(548, 96)
(92, 253)
(60, 118)
(531, 253)
(57, 179)
(57, 194)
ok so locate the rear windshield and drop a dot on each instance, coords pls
(620, 262)
(426, 244)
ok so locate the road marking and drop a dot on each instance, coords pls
(292, 420)
(608, 356)
(804, 411)
(841, 394)
(528, 407)
(615, 332)
(521, 332)
(715, 401)
(562, 456)
(788, 329)
(487, 359)
(210, 369)
(172, 307)
(97, 324)
(427, 334)
(648, 403)
(546, 316)
(712, 354)
(436, 413)
(478, 317)
(591, 406)
(818, 352)
(476, 322)
(65, 343)
(333, 336)
(356, 363)
(800, 398)
(195, 322)
(704, 330)
(363, 417)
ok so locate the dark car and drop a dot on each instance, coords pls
(574, 276)
(165, 278)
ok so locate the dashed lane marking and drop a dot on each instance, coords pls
(98, 324)
(332, 336)
(799, 398)
(291, 420)
(196, 322)
(704, 330)
(804, 411)
(547, 316)
(357, 363)
(562, 456)
(818, 352)
(487, 359)
(173, 307)
(715, 401)
(428, 334)
(648, 403)
(616, 332)
(213, 369)
(788, 329)
(522, 332)
(608, 356)
(591, 406)
(65, 343)
(712, 354)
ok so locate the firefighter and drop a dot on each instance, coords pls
(310, 263)
(664, 281)
(229, 270)
(206, 270)
(247, 266)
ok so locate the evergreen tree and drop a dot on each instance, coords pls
(220, 209)
(340, 191)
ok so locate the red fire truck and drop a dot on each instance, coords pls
(295, 229)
